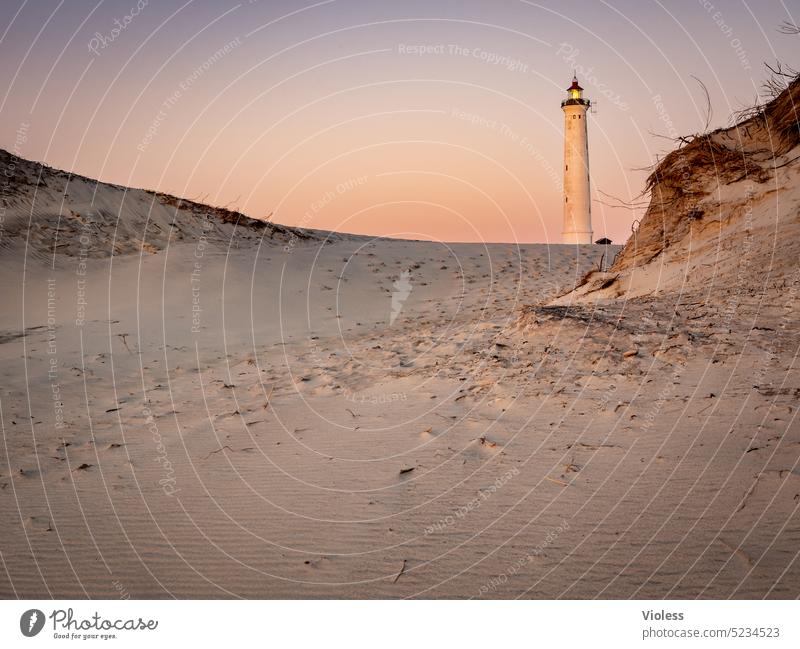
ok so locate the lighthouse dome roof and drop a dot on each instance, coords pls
(575, 85)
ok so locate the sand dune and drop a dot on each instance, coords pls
(227, 408)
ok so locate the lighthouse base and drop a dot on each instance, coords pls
(577, 237)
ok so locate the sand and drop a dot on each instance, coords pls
(252, 411)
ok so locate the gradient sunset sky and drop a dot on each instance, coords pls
(421, 119)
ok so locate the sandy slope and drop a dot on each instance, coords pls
(294, 439)
(316, 402)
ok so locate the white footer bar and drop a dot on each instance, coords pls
(400, 624)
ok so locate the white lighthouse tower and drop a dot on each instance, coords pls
(577, 199)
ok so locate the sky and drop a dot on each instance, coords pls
(419, 119)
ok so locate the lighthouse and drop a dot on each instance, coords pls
(577, 200)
